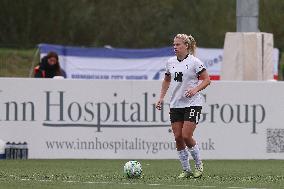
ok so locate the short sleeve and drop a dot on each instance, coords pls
(199, 67)
(167, 69)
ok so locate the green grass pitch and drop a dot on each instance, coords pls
(157, 174)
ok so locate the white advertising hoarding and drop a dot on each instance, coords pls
(117, 119)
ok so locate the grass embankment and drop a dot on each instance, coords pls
(17, 62)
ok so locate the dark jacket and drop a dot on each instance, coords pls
(44, 70)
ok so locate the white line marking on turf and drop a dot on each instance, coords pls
(44, 180)
(154, 184)
(25, 179)
(133, 183)
(236, 187)
(205, 186)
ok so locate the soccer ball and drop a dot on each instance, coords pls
(132, 169)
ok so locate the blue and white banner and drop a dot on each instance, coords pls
(128, 64)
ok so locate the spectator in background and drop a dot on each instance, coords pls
(49, 67)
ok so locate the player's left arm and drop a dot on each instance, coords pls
(204, 77)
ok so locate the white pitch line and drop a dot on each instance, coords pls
(205, 186)
(238, 187)
(70, 181)
(25, 179)
(154, 184)
(134, 183)
(44, 180)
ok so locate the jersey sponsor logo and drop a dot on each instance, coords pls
(178, 76)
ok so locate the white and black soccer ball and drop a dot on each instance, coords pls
(132, 169)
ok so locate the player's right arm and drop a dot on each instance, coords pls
(165, 86)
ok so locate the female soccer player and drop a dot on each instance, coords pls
(186, 76)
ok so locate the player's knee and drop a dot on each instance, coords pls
(187, 138)
(179, 139)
